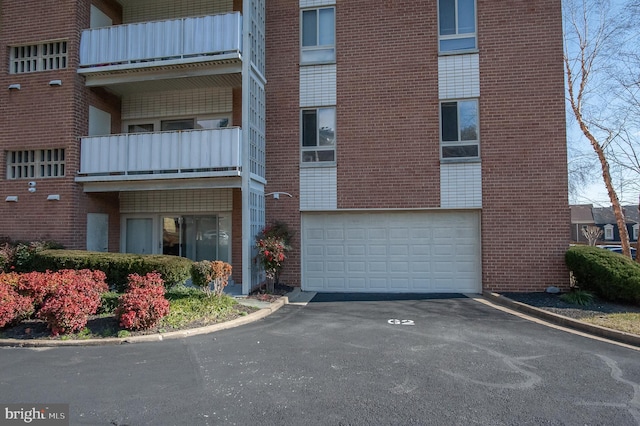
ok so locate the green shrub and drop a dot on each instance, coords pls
(117, 266)
(610, 275)
(109, 302)
(578, 297)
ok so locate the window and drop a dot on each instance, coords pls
(635, 231)
(318, 36)
(38, 57)
(608, 232)
(157, 125)
(182, 124)
(459, 129)
(42, 163)
(457, 19)
(319, 135)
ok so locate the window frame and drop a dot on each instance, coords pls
(458, 35)
(41, 60)
(156, 122)
(459, 142)
(608, 232)
(317, 47)
(36, 167)
(307, 149)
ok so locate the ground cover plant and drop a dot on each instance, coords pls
(77, 305)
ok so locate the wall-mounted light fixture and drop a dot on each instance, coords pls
(55, 83)
(14, 87)
(276, 195)
(53, 197)
(11, 199)
(32, 186)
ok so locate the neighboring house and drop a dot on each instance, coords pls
(605, 219)
(581, 217)
(422, 143)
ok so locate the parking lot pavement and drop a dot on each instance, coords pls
(343, 359)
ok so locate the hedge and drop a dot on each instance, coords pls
(117, 266)
(610, 275)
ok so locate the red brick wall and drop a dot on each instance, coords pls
(236, 236)
(522, 140)
(282, 132)
(388, 124)
(387, 129)
(41, 116)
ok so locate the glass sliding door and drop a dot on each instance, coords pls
(172, 236)
(197, 237)
(139, 236)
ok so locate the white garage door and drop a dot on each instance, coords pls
(396, 252)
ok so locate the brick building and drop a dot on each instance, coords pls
(411, 147)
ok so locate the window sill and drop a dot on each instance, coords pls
(318, 165)
(306, 64)
(459, 52)
(460, 160)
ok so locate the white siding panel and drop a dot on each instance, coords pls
(314, 3)
(460, 185)
(317, 85)
(177, 103)
(183, 201)
(318, 188)
(397, 252)
(459, 76)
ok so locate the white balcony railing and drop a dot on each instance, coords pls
(161, 40)
(161, 155)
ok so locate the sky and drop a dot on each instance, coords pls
(594, 191)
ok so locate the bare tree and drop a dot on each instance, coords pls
(591, 36)
(592, 234)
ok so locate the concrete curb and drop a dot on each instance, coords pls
(596, 330)
(255, 316)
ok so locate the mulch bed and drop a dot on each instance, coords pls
(104, 327)
(553, 303)
(261, 294)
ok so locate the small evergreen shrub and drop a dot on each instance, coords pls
(610, 275)
(108, 302)
(75, 296)
(143, 305)
(117, 266)
(14, 307)
(578, 297)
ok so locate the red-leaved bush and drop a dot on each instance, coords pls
(13, 306)
(143, 305)
(72, 296)
(37, 286)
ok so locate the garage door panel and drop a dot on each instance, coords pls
(391, 251)
(377, 250)
(377, 267)
(356, 234)
(377, 234)
(356, 267)
(357, 283)
(378, 284)
(314, 234)
(358, 250)
(399, 267)
(335, 250)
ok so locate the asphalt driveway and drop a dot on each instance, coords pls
(343, 360)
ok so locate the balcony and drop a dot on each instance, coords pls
(205, 45)
(161, 156)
